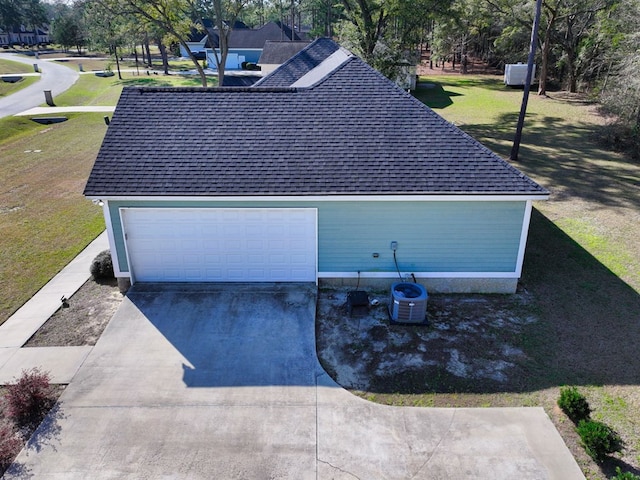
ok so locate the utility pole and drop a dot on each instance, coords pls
(527, 86)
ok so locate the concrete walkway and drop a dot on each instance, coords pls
(57, 110)
(202, 381)
(61, 362)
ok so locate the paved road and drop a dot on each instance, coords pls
(56, 78)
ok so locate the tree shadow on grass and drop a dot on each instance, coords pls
(433, 95)
(144, 82)
(567, 159)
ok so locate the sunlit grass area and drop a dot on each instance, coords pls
(8, 67)
(44, 219)
(561, 149)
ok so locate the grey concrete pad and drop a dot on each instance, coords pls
(6, 354)
(19, 328)
(222, 381)
(358, 439)
(62, 363)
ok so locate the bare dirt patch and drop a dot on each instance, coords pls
(493, 351)
(472, 343)
(83, 321)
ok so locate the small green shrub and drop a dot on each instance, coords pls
(624, 475)
(620, 475)
(598, 439)
(574, 404)
(30, 398)
(102, 266)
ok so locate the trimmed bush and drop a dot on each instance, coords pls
(624, 475)
(10, 445)
(598, 439)
(29, 399)
(102, 266)
(574, 404)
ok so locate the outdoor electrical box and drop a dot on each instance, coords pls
(515, 74)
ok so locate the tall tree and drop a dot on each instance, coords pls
(224, 14)
(170, 16)
(10, 14)
(387, 31)
(68, 28)
(619, 77)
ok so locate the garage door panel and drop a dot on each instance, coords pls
(221, 244)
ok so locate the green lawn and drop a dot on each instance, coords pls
(44, 219)
(11, 67)
(561, 150)
(93, 90)
(8, 67)
(582, 264)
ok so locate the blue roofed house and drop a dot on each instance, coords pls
(318, 168)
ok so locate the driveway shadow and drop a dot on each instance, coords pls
(234, 335)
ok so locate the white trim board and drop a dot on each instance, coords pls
(332, 198)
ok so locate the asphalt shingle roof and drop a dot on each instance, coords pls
(353, 133)
(305, 61)
(277, 52)
(256, 37)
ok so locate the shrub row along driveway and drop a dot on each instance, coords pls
(223, 382)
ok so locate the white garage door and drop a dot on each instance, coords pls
(221, 245)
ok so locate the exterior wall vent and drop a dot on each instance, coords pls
(408, 303)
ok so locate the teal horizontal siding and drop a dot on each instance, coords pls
(431, 236)
(436, 236)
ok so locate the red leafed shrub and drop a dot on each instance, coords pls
(29, 398)
(10, 444)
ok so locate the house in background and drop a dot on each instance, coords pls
(245, 44)
(276, 52)
(24, 36)
(4, 38)
(319, 168)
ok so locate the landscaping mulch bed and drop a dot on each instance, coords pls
(83, 320)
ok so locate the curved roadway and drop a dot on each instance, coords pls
(54, 77)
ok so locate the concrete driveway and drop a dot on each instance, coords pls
(222, 381)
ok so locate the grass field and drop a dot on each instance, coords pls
(92, 90)
(44, 219)
(7, 67)
(582, 261)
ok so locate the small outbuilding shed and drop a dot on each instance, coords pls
(312, 174)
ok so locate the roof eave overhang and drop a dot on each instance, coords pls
(498, 197)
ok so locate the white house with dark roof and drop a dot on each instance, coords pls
(245, 44)
(320, 166)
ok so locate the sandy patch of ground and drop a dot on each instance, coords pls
(83, 321)
(470, 343)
